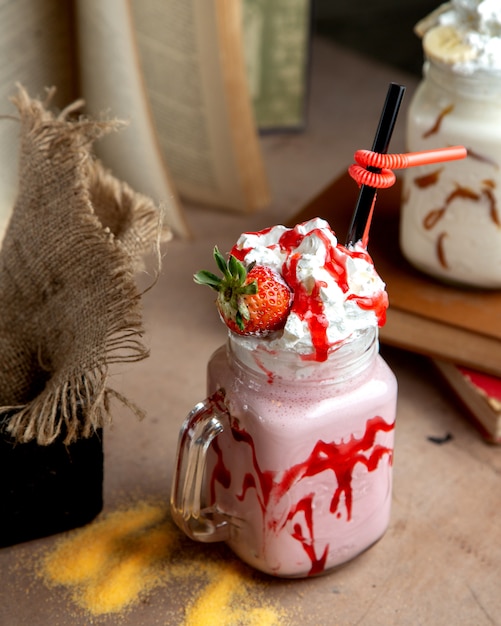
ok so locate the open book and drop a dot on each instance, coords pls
(462, 326)
(175, 69)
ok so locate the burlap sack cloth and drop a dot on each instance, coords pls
(69, 306)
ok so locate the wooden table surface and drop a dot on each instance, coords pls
(440, 561)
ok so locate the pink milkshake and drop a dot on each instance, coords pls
(291, 454)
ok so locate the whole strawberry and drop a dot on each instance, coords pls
(252, 301)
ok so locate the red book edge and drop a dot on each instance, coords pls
(487, 385)
(464, 381)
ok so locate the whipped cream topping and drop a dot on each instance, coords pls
(337, 291)
(477, 26)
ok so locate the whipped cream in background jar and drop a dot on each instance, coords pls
(451, 212)
(289, 459)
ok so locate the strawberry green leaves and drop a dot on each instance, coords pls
(252, 300)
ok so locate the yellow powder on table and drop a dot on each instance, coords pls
(89, 551)
(111, 564)
(225, 602)
(108, 564)
(137, 569)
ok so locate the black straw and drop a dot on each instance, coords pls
(367, 195)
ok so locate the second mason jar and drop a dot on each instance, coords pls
(451, 213)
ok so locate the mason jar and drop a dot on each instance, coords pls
(450, 224)
(289, 461)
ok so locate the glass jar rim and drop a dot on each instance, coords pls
(481, 84)
(346, 359)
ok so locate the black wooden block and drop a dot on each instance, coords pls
(48, 489)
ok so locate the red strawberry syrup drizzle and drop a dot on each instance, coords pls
(308, 306)
(271, 486)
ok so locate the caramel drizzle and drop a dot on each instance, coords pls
(432, 178)
(440, 251)
(436, 126)
(493, 211)
(427, 180)
(435, 215)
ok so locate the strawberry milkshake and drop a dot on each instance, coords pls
(289, 460)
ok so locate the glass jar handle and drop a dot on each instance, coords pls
(203, 424)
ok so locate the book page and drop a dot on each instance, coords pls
(112, 86)
(192, 58)
(36, 51)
